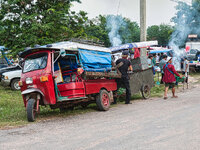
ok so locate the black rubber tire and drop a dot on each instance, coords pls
(146, 91)
(101, 106)
(31, 110)
(13, 84)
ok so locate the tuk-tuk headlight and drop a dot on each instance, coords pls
(29, 80)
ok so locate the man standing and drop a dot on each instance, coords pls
(161, 64)
(149, 60)
(154, 60)
(185, 68)
(161, 56)
(169, 77)
(123, 65)
(151, 64)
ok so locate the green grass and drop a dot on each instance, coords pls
(12, 110)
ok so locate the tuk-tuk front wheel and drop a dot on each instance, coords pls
(103, 100)
(31, 110)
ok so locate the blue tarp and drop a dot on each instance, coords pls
(160, 51)
(96, 61)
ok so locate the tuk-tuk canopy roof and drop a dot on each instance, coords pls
(160, 51)
(67, 45)
(75, 46)
(133, 45)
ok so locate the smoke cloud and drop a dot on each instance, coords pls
(113, 24)
(186, 22)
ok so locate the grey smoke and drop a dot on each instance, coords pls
(113, 24)
(184, 25)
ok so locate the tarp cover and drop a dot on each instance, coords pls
(95, 60)
(160, 51)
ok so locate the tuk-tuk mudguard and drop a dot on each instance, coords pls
(33, 90)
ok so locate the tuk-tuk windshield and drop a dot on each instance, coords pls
(35, 62)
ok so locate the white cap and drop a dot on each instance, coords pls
(169, 58)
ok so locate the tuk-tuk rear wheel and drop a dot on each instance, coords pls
(31, 110)
(103, 100)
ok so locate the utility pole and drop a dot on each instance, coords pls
(143, 51)
(143, 26)
(142, 20)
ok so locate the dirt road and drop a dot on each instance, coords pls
(154, 124)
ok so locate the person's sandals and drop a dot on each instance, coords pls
(165, 97)
(174, 96)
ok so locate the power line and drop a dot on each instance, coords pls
(118, 7)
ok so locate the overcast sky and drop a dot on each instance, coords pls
(158, 11)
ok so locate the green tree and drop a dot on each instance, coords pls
(96, 29)
(161, 33)
(130, 32)
(26, 22)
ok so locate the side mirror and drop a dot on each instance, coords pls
(62, 52)
(21, 63)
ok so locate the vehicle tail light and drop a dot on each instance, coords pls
(44, 78)
(20, 83)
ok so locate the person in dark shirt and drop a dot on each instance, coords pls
(123, 65)
(161, 57)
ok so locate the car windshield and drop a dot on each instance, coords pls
(192, 51)
(35, 62)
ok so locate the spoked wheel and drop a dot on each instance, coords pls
(31, 110)
(103, 100)
(146, 91)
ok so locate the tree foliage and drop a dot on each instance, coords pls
(162, 33)
(130, 32)
(96, 29)
(26, 23)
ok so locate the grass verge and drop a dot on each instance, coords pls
(12, 110)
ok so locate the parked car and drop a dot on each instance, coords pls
(10, 68)
(11, 78)
(191, 55)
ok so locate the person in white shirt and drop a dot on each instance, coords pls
(186, 68)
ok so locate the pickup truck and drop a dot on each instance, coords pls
(11, 78)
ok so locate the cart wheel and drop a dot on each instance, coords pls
(146, 91)
(103, 100)
(31, 110)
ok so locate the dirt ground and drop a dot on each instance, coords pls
(154, 124)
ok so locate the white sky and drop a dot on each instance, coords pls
(158, 11)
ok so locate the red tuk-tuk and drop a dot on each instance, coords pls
(66, 74)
